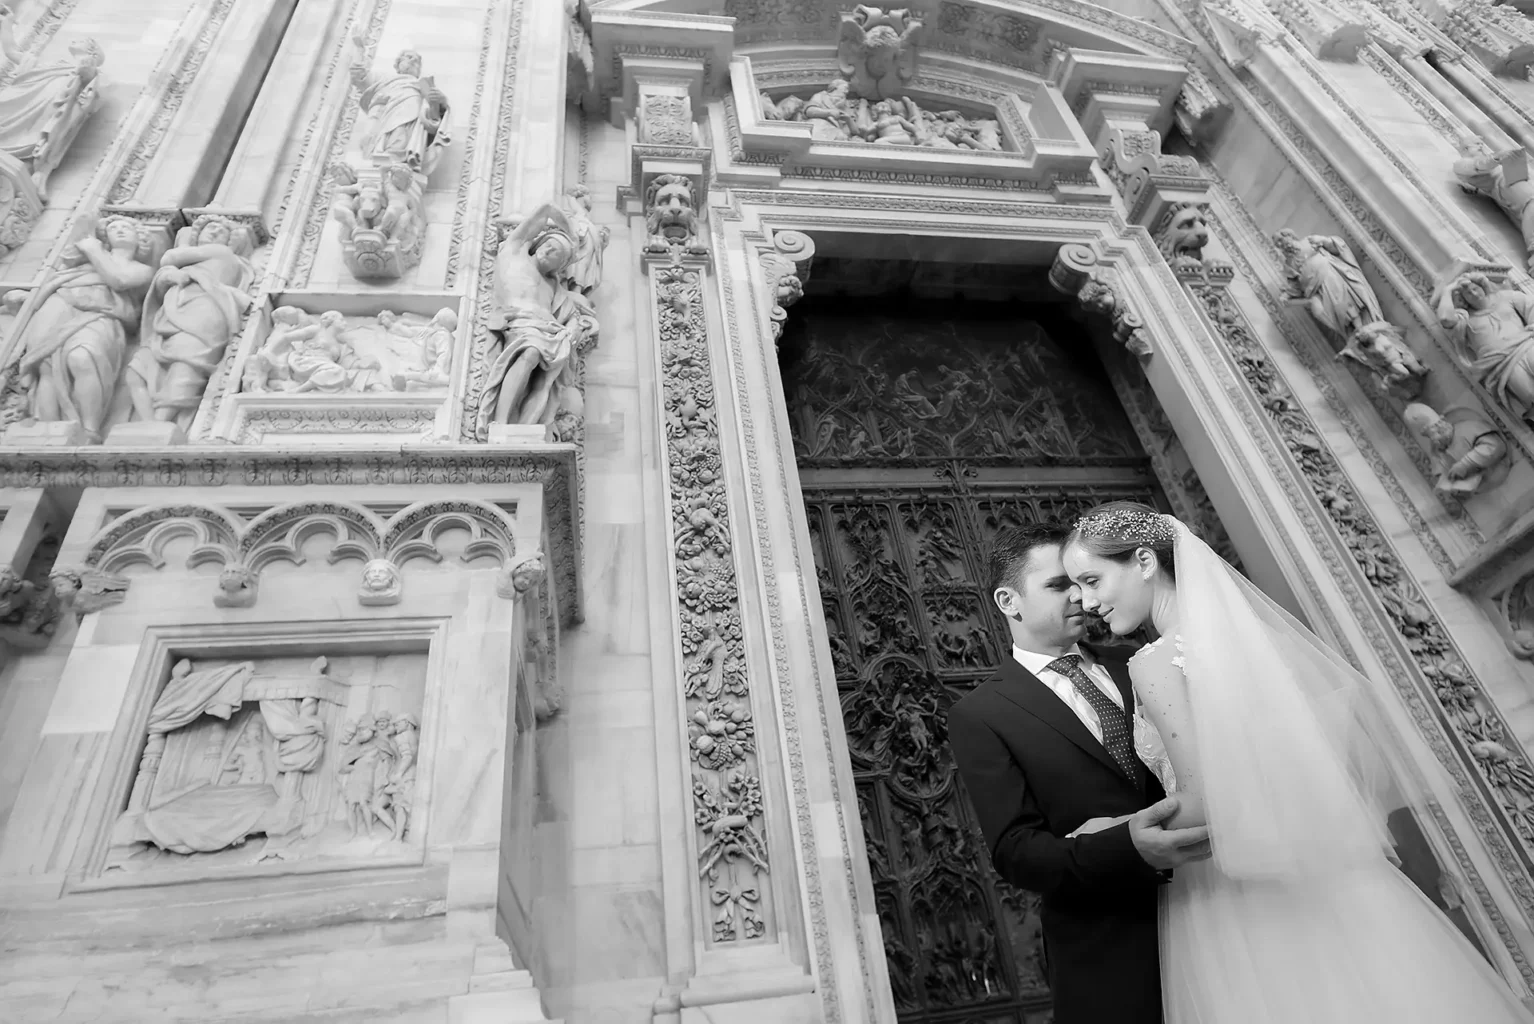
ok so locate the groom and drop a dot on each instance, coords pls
(1044, 746)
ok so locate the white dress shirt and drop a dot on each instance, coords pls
(1148, 746)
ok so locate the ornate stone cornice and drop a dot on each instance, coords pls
(552, 467)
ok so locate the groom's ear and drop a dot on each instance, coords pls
(1007, 600)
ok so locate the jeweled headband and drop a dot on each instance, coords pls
(1128, 524)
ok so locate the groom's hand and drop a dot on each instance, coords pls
(1163, 848)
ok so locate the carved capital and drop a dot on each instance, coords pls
(787, 268)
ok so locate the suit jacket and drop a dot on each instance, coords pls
(1034, 773)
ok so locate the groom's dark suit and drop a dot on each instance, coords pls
(1035, 773)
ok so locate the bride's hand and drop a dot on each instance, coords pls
(1092, 825)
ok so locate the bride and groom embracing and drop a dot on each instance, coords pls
(1205, 820)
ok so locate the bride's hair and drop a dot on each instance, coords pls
(1115, 530)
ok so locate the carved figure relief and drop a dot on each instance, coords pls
(381, 584)
(84, 590)
(1502, 177)
(584, 271)
(1468, 453)
(196, 304)
(42, 109)
(834, 116)
(409, 113)
(865, 389)
(877, 51)
(28, 613)
(331, 354)
(252, 761)
(1493, 327)
(383, 226)
(74, 343)
(238, 585)
(539, 325)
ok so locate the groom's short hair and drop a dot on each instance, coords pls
(1010, 550)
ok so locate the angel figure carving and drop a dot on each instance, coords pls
(877, 51)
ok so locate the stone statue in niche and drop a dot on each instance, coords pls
(876, 50)
(382, 584)
(540, 325)
(42, 109)
(73, 345)
(1494, 329)
(400, 789)
(584, 272)
(671, 220)
(238, 584)
(383, 226)
(86, 590)
(196, 304)
(834, 116)
(236, 751)
(1468, 454)
(327, 355)
(409, 112)
(1502, 177)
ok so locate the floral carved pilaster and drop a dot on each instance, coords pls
(787, 269)
(729, 827)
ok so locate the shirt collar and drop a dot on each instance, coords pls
(1037, 663)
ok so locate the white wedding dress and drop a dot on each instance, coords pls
(1299, 917)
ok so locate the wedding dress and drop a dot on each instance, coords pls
(1300, 915)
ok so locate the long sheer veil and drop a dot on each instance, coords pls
(1300, 764)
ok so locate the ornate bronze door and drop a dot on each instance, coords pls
(917, 441)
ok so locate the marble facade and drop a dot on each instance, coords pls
(616, 782)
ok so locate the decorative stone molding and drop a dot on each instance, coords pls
(787, 268)
(876, 50)
(1076, 272)
(1331, 30)
(1496, 35)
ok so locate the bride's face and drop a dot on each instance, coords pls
(1120, 592)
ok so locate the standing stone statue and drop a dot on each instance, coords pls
(41, 111)
(1326, 274)
(1503, 178)
(584, 272)
(196, 303)
(409, 112)
(1494, 328)
(74, 343)
(538, 320)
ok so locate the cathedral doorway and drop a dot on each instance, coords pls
(923, 423)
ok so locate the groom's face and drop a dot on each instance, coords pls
(1043, 607)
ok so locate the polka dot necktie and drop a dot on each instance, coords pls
(1114, 723)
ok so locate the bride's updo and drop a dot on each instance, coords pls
(1115, 530)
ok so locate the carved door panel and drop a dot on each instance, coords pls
(908, 470)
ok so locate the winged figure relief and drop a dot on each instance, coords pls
(877, 51)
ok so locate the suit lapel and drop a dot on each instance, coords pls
(1025, 689)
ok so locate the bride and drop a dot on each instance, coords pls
(1300, 915)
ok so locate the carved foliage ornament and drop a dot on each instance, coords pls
(727, 795)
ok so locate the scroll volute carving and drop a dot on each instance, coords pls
(1076, 272)
(787, 268)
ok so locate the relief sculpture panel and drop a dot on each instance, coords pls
(282, 759)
